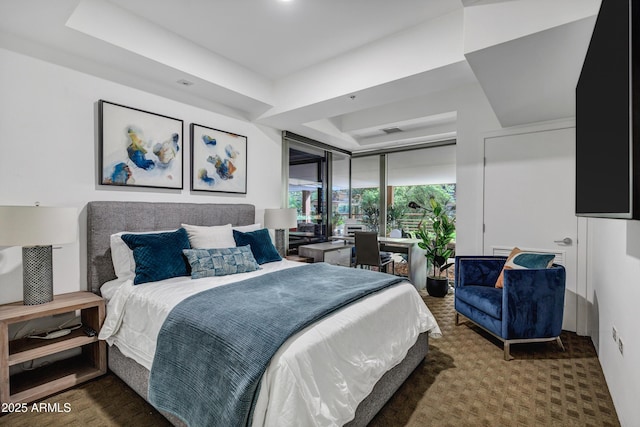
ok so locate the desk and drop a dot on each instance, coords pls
(336, 252)
(299, 238)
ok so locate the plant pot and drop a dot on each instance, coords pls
(437, 286)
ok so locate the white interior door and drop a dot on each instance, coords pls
(529, 188)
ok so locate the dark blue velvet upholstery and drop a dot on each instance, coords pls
(530, 306)
(484, 272)
(485, 298)
(260, 243)
(158, 256)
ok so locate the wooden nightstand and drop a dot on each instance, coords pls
(43, 381)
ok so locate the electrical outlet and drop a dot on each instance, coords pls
(614, 334)
(620, 346)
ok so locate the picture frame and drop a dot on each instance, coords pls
(218, 160)
(139, 148)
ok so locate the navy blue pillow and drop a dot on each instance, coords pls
(158, 256)
(260, 243)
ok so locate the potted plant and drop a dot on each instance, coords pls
(436, 234)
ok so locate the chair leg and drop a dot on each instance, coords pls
(386, 267)
(507, 354)
(559, 342)
(457, 318)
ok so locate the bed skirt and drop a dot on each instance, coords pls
(137, 377)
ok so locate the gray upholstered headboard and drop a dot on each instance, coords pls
(107, 218)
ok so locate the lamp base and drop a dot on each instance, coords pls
(37, 274)
(280, 247)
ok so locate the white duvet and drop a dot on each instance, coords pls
(319, 376)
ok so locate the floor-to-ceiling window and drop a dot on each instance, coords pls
(307, 193)
(415, 176)
(384, 183)
(365, 191)
(335, 191)
(318, 187)
(306, 183)
(340, 192)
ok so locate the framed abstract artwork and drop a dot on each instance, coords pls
(218, 160)
(139, 148)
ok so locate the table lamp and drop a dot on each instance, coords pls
(36, 229)
(280, 220)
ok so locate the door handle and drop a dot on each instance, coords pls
(565, 241)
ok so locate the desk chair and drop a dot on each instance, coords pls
(368, 252)
(395, 233)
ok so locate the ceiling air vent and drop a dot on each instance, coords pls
(391, 130)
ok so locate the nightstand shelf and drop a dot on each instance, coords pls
(34, 384)
(26, 349)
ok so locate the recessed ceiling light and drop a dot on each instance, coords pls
(184, 82)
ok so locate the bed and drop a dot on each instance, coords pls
(107, 218)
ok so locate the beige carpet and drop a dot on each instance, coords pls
(464, 381)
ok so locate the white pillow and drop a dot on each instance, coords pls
(247, 228)
(123, 263)
(108, 289)
(210, 237)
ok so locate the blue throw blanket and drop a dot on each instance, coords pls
(214, 346)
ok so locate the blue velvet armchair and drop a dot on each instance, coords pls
(529, 308)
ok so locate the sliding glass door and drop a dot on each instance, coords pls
(308, 193)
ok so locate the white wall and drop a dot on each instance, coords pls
(48, 153)
(475, 118)
(488, 24)
(614, 274)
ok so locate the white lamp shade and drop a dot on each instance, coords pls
(280, 219)
(37, 225)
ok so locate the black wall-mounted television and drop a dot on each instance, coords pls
(608, 116)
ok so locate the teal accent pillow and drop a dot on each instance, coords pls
(220, 262)
(532, 260)
(158, 256)
(260, 243)
(523, 260)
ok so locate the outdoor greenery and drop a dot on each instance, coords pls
(395, 213)
(296, 199)
(337, 219)
(366, 207)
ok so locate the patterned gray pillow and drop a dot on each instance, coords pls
(220, 262)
